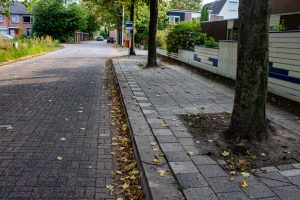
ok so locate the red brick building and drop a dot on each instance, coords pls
(20, 21)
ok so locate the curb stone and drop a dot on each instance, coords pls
(155, 187)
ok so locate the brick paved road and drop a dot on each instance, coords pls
(57, 106)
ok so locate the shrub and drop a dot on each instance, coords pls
(161, 39)
(186, 35)
(26, 47)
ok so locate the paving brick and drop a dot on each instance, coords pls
(287, 192)
(183, 167)
(179, 156)
(212, 171)
(203, 160)
(233, 196)
(296, 165)
(273, 179)
(162, 132)
(171, 147)
(291, 172)
(257, 189)
(166, 139)
(202, 193)
(193, 180)
(295, 180)
(223, 184)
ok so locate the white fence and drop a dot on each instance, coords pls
(284, 62)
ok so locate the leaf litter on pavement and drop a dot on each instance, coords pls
(126, 182)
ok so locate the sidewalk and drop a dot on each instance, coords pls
(161, 94)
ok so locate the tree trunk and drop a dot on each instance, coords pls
(132, 47)
(248, 119)
(152, 34)
(120, 32)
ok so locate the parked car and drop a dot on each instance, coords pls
(99, 38)
(6, 37)
(111, 40)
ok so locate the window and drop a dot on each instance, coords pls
(27, 19)
(174, 19)
(15, 19)
(233, 5)
(28, 32)
(1, 18)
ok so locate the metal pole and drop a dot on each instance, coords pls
(123, 27)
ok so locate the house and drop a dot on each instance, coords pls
(176, 16)
(19, 22)
(287, 11)
(222, 9)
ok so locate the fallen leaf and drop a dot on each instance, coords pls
(50, 100)
(231, 179)
(66, 119)
(110, 187)
(80, 111)
(59, 158)
(246, 174)
(190, 153)
(156, 160)
(165, 125)
(198, 142)
(161, 173)
(63, 139)
(125, 186)
(232, 172)
(82, 129)
(174, 119)
(225, 153)
(118, 172)
(244, 184)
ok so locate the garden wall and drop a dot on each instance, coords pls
(284, 62)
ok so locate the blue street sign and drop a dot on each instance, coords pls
(129, 25)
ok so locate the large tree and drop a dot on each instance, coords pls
(151, 62)
(248, 119)
(52, 17)
(186, 4)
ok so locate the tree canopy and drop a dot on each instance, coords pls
(54, 18)
(186, 4)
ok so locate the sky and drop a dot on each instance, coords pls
(207, 1)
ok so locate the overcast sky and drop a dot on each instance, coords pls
(207, 1)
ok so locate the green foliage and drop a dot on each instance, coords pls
(204, 14)
(26, 47)
(143, 18)
(52, 18)
(280, 27)
(161, 39)
(186, 35)
(186, 4)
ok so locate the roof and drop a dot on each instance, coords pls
(18, 8)
(286, 6)
(215, 6)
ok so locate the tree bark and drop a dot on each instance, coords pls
(132, 47)
(152, 34)
(120, 31)
(248, 119)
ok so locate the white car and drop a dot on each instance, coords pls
(6, 37)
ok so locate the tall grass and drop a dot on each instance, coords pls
(26, 47)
